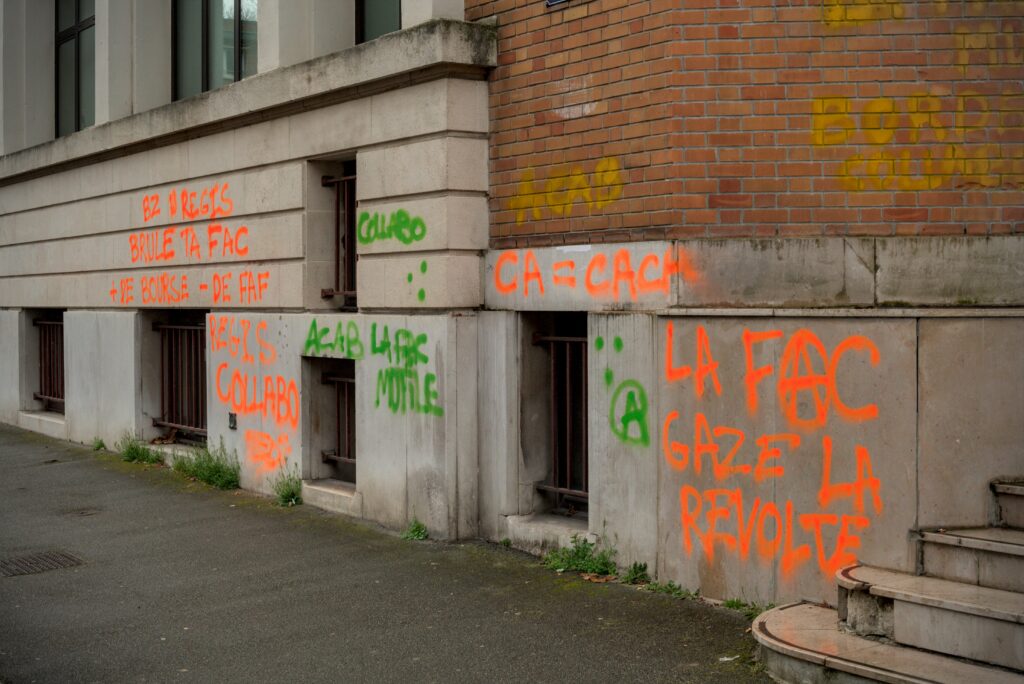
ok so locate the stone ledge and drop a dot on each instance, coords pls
(437, 49)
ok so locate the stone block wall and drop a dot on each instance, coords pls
(640, 120)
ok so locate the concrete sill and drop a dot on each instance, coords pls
(540, 533)
(44, 422)
(333, 495)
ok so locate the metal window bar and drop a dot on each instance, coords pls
(569, 479)
(183, 374)
(344, 239)
(344, 383)
(51, 365)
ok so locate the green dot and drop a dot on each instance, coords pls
(618, 344)
(423, 267)
(609, 377)
(421, 295)
(599, 343)
(409, 277)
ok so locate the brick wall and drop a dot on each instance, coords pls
(628, 119)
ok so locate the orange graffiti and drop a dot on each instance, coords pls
(266, 452)
(718, 518)
(655, 274)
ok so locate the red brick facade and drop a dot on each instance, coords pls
(645, 119)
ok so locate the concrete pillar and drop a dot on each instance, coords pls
(151, 54)
(114, 26)
(418, 11)
(26, 74)
(293, 31)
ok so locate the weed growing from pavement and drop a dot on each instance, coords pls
(98, 445)
(672, 589)
(506, 542)
(133, 450)
(213, 466)
(288, 489)
(637, 574)
(582, 557)
(750, 610)
(417, 531)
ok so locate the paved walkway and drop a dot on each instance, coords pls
(184, 583)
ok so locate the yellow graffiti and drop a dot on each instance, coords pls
(989, 46)
(925, 141)
(852, 12)
(564, 187)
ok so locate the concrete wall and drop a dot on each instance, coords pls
(416, 416)
(102, 379)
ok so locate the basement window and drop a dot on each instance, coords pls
(560, 366)
(183, 377)
(50, 328)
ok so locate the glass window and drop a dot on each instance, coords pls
(188, 48)
(215, 43)
(76, 65)
(377, 17)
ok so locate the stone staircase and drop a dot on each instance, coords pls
(960, 619)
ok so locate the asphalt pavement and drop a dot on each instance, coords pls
(183, 583)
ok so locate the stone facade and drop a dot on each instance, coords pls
(802, 326)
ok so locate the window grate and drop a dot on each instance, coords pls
(51, 365)
(183, 380)
(342, 377)
(568, 481)
(345, 257)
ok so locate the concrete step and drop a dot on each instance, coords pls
(1010, 499)
(986, 556)
(951, 618)
(802, 643)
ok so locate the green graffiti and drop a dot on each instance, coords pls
(345, 343)
(599, 343)
(400, 226)
(401, 389)
(422, 294)
(400, 383)
(629, 423)
(617, 343)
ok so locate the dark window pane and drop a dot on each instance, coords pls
(222, 43)
(66, 88)
(380, 17)
(65, 14)
(249, 38)
(188, 48)
(87, 77)
(86, 9)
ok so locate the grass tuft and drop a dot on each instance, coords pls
(637, 574)
(417, 531)
(506, 542)
(581, 557)
(750, 610)
(134, 450)
(214, 467)
(98, 445)
(672, 589)
(288, 489)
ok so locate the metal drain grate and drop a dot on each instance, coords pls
(37, 562)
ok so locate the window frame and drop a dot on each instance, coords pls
(205, 58)
(61, 37)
